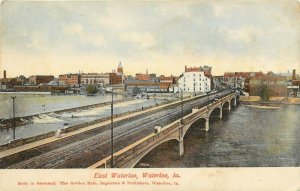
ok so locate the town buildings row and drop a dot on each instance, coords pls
(193, 80)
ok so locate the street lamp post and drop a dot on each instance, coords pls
(112, 128)
(14, 120)
(207, 96)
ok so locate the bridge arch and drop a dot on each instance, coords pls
(224, 104)
(187, 127)
(150, 149)
(219, 108)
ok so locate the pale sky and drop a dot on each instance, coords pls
(65, 37)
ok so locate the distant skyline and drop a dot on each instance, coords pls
(40, 37)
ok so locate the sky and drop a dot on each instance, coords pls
(47, 37)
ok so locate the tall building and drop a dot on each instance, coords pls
(70, 79)
(120, 69)
(195, 80)
(116, 77)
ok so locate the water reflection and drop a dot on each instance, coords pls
(247, 137)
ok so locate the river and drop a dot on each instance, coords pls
(50, 121)
(32, 104)
(245, 137)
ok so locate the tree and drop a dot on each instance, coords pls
(91, 89)
(264, 92)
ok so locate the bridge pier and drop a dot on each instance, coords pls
(181, 147)
(221, 113)
(206, 124)
(229, 108)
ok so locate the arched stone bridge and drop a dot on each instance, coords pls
(132, 154)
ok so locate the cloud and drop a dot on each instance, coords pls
(174, 10)
(73, 29)
(76, 30)
(38, 41)
(243, 35)
(221, 10)
(141, 39)
(119, 17)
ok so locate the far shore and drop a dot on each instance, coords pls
(255, 100)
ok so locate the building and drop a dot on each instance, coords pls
(120, 70)
(277, 85)
(166, 82)
(114, 78)
(95, 79)
(145, 76)
(70, 79)
(218, 82)
(240, 80)
(294, 85)
(289, 75)
(40, 79)
(151, 85)
(195, 80)
(10, 83)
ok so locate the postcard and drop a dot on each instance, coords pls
(150, 95)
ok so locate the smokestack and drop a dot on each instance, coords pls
(4, 74)
(294, 74)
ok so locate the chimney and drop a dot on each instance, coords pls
(294, 74)
(4, 74)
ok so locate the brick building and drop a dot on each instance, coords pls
(114, 78)
(144, 77)
(166, 82)
(70, 79)
(40, 79)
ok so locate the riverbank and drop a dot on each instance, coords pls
(274, 101)
(262, 107)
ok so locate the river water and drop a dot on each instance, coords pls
(31, 104)
(245, 137)
(50, 121)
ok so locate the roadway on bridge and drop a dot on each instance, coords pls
(82, 150)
